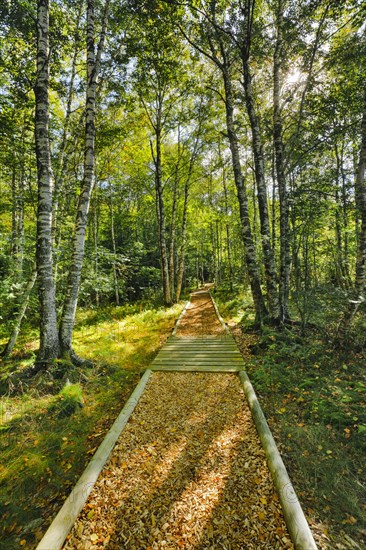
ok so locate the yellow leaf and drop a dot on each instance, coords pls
(261, 516)
(23, 542)
(351, 520)
(94, 537)
(91, 514)
(263, 500)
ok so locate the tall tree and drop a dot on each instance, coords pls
(285, 258)
(49, 341)
(214, 45)
(93, 69)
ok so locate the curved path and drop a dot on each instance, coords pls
(188, 470)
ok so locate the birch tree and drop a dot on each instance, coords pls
(93, 69)
(215, 46)
(285, 258)
(49, 340)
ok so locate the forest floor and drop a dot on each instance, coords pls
(313, 395)
(188, 470)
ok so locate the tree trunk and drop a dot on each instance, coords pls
(360, 192)
(251, 261)
(174, 223)
(161, 214)
(49, 340)
(65, 152)
(183, 243)
(285, 258)
(342, 221)
(96, 215)
(114, 248)
(228, 239)
(268, 255)
(192, 161)
(93, 66)
(360, 195)
(20, 315)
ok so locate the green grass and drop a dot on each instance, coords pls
(313, 395)
(51, 427)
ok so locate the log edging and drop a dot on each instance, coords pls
(57, 532)
(224, 325)
(178, 321)
(296, 522)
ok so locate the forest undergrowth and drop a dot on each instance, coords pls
(51, 424)
(312, 390)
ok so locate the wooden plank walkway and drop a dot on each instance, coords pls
(208, 354)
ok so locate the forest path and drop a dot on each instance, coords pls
(188, 471)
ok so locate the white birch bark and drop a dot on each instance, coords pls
(49, 340)
(93, 67)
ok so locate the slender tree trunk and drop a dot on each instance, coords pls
(65, 152)
(342, 221)
(95, 242)
(228, 239)
(360, 192)
(251, 261)
(173, 225)
(114, 248)
(268, 255)
(273, 209)
(183, 242)
(20, 315)
(218, 252)
(285, 257)
(49, 340)
(360, 195)
(14, 210)
(93, 66)
(345, 219)
(161, 214)
(192, 161)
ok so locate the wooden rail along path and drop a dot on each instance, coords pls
(214, 351)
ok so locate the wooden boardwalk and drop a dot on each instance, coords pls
(207, 354)
(188, 470)
(211, 349)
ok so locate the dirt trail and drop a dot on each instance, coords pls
(188, 471)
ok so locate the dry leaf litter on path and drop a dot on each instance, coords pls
(200, 318)
(188, 471)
